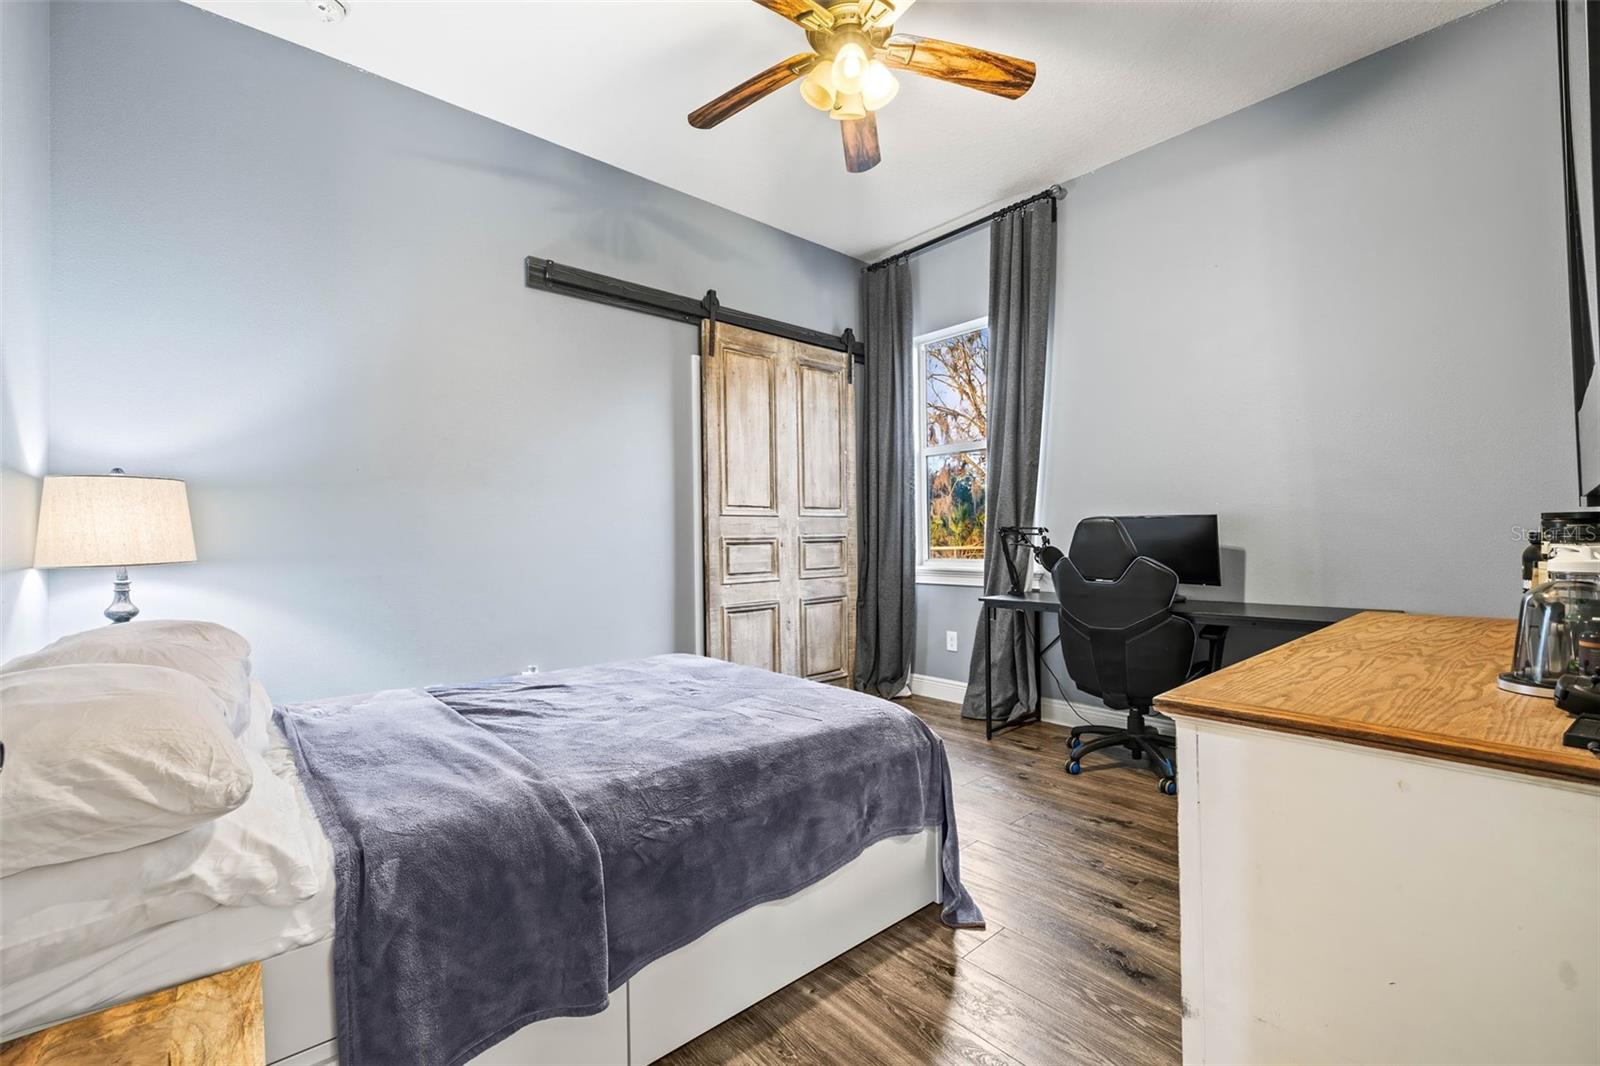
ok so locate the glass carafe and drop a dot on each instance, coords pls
(1558, 631)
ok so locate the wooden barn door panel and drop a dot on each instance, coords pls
(745, 436)
(824, 571)
(780, 542)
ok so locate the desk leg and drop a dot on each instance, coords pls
(988, 669)
(1219, 636)
(1038, 665)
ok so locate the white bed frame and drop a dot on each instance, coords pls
(672, 1000)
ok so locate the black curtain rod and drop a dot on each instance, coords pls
(586, 285)
(1053, 193)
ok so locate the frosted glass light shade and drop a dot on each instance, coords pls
(879, 86)
(817, 88)
(849, 67)
(113, 520)
(848, 106)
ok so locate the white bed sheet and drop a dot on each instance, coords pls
(171, 954)
(161, 957)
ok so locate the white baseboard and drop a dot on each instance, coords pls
(938, 688)
(1057, 711)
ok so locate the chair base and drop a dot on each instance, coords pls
(1139, 738)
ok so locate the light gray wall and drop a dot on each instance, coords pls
(300, 287)
(24, 283)
(1337, 319)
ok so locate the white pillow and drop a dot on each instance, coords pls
(259, 733)
(109, 756)
(257, 854)
(215, 654)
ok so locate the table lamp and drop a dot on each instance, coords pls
(114, 520)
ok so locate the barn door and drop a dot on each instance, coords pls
(778, 446)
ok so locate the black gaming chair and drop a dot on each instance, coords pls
(1121, 641)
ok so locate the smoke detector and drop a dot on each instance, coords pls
(329, 10)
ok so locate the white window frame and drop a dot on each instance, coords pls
(940, 571)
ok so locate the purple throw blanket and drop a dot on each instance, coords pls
(514, 849)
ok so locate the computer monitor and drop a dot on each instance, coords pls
(1185, 542)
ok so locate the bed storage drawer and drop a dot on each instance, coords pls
(598, 1040)
(297, 989)
(321, 1055)
(753, 954)
(297, 994)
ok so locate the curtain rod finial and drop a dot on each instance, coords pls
(537, 271)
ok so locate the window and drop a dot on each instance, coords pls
(953, 450)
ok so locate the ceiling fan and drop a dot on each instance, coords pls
(847, 71)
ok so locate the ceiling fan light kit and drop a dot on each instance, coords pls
(847, 72)
(849, 60)
(879, 86)
(847, 107)
(817, 90)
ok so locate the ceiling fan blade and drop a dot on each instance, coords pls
(746, 93)
(878, 14)
(991, 72)
(860, 143)
(808, 13)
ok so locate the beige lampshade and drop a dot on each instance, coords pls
(113, 520)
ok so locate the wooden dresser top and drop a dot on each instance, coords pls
(1423, 684)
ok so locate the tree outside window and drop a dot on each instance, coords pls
(952, 366)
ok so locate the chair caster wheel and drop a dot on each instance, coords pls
(1167, 786)
(1073, 743)
(1074, 767)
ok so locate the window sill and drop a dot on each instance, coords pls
(939, 575)
(949, 575)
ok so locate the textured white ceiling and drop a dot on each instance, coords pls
(615, 80)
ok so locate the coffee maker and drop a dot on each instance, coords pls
(1558, 629)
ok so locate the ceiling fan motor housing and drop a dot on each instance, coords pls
(826, 43)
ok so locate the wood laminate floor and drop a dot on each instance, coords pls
(1078, 878)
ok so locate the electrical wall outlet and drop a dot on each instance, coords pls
(951, 641)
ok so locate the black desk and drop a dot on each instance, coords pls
(1213, 617)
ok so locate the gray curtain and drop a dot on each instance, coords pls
(886, 607)
(1022, 269)
(1578, 41)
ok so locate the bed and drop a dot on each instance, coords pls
(749, 827)
(669, 1003)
